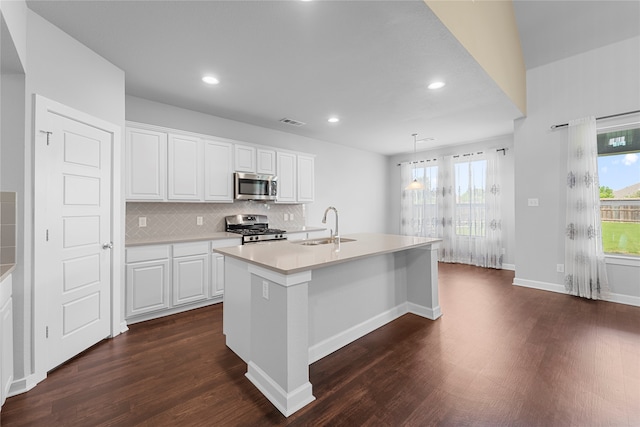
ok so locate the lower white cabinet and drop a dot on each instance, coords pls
(190, 272)
(168, 279)
(147, 280)
(217, 275)
(6, 338)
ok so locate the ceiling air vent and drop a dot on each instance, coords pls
(292, 122)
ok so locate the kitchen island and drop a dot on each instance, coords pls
(288, 304)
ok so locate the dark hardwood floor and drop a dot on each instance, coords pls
(500, 355)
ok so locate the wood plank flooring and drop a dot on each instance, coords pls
(500, 355)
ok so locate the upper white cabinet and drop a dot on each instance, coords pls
(295, 178)
(265, 162)
(170, 165)
(245, 158)
(287, 164)
(146, 165)
(185, 168)
(306, 181)
(218, 171)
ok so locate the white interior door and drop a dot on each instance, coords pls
(77, 253)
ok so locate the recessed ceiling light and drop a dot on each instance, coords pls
(210, 80)
(333, 120)
(436, 85)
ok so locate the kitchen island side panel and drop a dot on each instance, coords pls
(343, 296)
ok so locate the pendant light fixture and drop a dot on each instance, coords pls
(415, 184)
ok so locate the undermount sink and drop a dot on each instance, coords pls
(324, 241)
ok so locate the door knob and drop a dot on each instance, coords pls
(107, 245)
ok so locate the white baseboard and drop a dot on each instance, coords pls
(543, 286)
(429, 313)
(336, 342)
(23, 385)
(287, 403)
(553, 287)
(511, 267)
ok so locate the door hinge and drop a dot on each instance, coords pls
(48, 134)
(47, 236)
(47, 332)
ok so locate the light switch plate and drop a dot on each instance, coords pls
(532, 202)
(199, 220)
(142, 221)
(265, 289)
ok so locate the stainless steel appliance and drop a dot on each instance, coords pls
(253, 228)
(249, 186)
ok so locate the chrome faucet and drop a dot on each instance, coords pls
(334, 237)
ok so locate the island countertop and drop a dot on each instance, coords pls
(290, 257)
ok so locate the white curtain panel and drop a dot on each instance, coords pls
(585, 270)
(419, 208)
(460, 204)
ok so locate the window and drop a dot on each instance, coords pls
(619, 176)
(470, 183)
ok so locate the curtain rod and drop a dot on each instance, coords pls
(504, 153)
(554, 127)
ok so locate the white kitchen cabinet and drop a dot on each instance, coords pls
(306, 181)
(286, 168)
(265, 161)
(217, 275)
(218, 171)
(185, 168)
(6, 338)
(217, 265)
(244, 158)
(147, 282)
(190, 272)
(146, 165)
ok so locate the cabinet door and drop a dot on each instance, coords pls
(286, 178)
(185, 170)
(266, 162)
(245, 159)
(190, 279)
(218, 185)
(306, 179)
(6, 349)
(147, 287)
(146, 165)
(217, 275)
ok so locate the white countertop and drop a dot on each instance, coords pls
(211, 236)
(181, 239)
(289, 257)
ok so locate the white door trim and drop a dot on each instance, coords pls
(42, 107)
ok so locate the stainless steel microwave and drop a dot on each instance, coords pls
(249, 186)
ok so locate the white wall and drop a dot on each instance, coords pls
(600, 82)
(353, 181)
(61, 69)
(506, 170)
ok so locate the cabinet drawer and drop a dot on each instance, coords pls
(225, 243)
(147, 253)
(191, 248)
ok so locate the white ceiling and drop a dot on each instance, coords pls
(367, 62)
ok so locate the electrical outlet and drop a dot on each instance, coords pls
(560, 268)
(142, 221)
(291, 217)
(286, 217)
(199, 220)
(532, 202)
(265, 289)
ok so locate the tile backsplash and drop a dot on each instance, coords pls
(7, 227)
(179, 219)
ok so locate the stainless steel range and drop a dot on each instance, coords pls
(253, 228)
